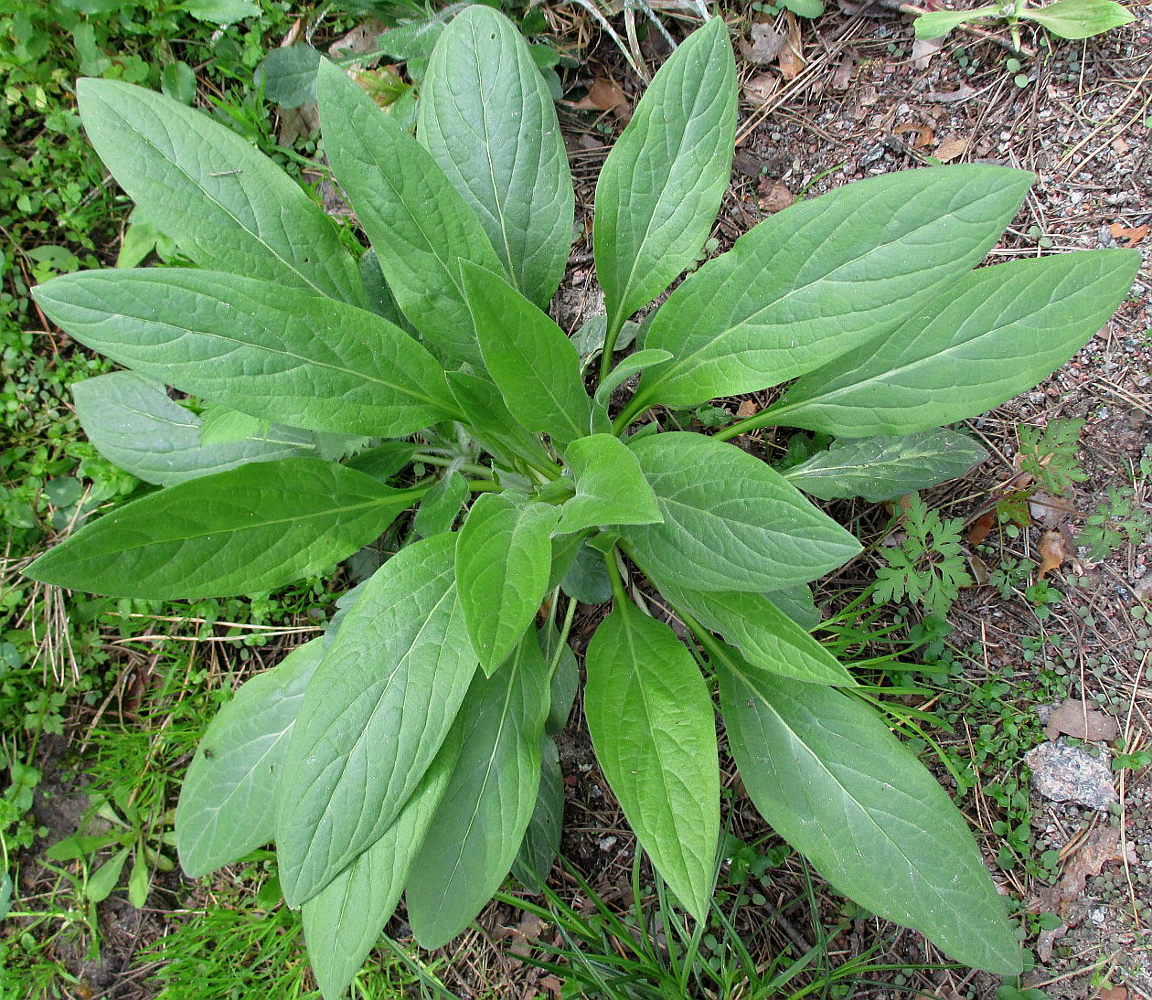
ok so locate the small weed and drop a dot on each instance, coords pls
(1121, 519)
(928, 567)
(1049, 454)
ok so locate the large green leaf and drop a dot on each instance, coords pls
(730, 522)
(343, 922)
(529, 357)
(998, 331)
(767, 637)
(374, 717)
(825, 276)
(503, 559)
(660, 188)
(254, 346)
(476, 833)
(226, 204)
(610, 488)
(132, 422)
(488, 120)
(419, 224)
(883, 468)
(243, 531)
(824, 770)
(1076, 19)
(654, 730)
(228, 800)
(542, 838)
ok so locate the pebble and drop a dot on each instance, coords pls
(1065, 773)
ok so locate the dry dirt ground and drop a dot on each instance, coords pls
(850, 95)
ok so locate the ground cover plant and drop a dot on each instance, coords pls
(409, 749)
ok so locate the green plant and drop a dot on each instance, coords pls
(1049, 454)
(379, 758)
(928, 566)
(1120, 519)
(1071, 19)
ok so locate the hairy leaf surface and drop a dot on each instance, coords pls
(476, 833)
(419, 224)
(343, 922)
(374, 717)
(730, 522)
(825, 276)
(254, 346)
(224, 203)
(660, 188)
(228, 801)
(610, 488)
(134, 424)
(825, 771)
(488, 120)
(884, 468)
(529, 357)
(503, 558)
(654, 731)
(997, 332)
(243, 531)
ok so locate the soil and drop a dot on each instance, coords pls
(860, 97)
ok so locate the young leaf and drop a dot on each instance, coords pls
(343, 922)
(610, 488)
(565, 679)
(491, 421)
(996, 332)
(730, 522)
(937, 23)
(227, 804)
(542, 838)
(418, 222)
(825, 276)
(1074, 19)
(654, 731)
(226, 204)
(660, 188)
(884, 468)
(374, 717)
(477, 831)
(503, 558)
(134, 424)
(587, 579)
(489, 122)
(767, 637)
(257, 347)
(529, 357)
(243, 531)
(824, 770)
(441, 506)
(632, 364)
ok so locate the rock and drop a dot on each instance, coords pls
(1072, 774)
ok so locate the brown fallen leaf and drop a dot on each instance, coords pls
(1121, 232)
(760, 88)
(1114, 993)
(924, 135)
(1052, 553)
(980, 572)
(791, 57)
(951, 146)
(961, 93)
(776, 198)
(923, 49)
(1075, 719)
(603, 95)
(842, 74)
(764, 44)
(981, 528)
(746, 409)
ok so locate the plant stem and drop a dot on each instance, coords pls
(614, 575)
(444, 463)
(611, 335)
(636, 405)
(484, 486)
(765, 418)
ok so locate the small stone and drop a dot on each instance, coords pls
(1072, 774)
